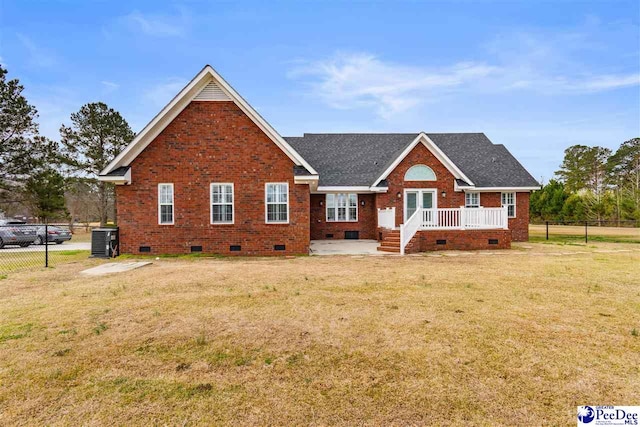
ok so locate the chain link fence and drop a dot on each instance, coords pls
(586, 231)
(28, 246)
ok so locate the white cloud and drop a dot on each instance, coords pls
(543, 63)
(611, 82)
(109, 86)
(160, 94)
(363, 80)
(38, 56)
(159, 25)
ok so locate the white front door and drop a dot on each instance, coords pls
(419, 199)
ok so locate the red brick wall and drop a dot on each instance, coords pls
(462, 240)
(519, 225)
(444, 181)
(366, 225)
(211, 142)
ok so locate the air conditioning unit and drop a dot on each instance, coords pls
(105, 243)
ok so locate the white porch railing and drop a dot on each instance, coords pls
(486, 218)
(453, 219)
(465, 218)
(409, 229)
(387, 218)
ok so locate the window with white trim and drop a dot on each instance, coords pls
(277, 202)
(165, 203)
(221, 203)
(342, 207)
(509, 200)
(420, 173)
(471, 200)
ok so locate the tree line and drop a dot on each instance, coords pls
(50, 180)
(593, 184)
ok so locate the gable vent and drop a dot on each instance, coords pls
(212, 92)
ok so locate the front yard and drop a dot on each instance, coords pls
(517, 337)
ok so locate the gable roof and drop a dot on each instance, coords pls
(200, 84)
(350, 159)
(358, 159)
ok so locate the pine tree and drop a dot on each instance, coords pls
(97, 134)
(44, 194)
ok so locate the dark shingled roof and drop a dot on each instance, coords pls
(350, 159)
(359, 159)
(301, 171)
(121, 171)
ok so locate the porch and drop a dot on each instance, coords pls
(397, 238)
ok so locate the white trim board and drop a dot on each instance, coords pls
(496, 189)
(433, 148)
(179, 103)
(118, 180)
(349, 189)
(473, 188)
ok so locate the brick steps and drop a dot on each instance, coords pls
(394, 249)
(390, 242)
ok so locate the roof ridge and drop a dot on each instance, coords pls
(455, 133)
(361, 133)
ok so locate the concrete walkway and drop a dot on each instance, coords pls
(345, 247)
(113, 267)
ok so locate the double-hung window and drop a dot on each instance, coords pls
(342, 207)
(165, 204)
(277, 202)
(221, 203)
(472, 200)
(509, 200)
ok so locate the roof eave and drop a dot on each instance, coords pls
(505, 188)
(360, 189)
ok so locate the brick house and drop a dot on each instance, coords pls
(209, 174)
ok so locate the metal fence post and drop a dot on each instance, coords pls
(547, 222)
(585, 232)
(46, 245)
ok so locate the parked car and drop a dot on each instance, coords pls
(54, 234)
(15, 232)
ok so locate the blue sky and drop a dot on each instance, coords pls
(535, 76)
